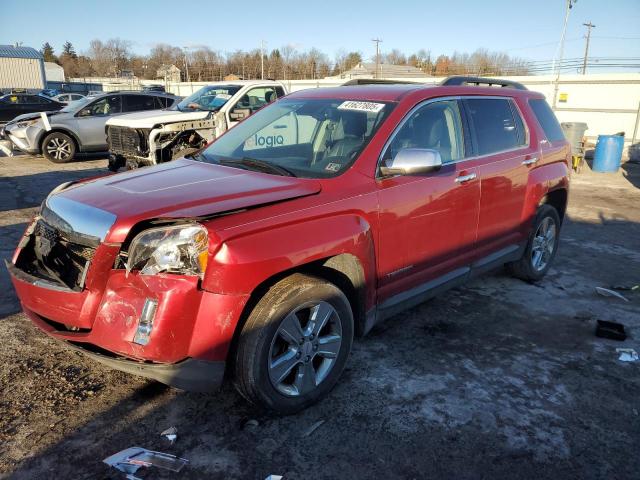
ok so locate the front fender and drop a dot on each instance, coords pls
(242, 263)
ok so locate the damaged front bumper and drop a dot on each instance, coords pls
(191, 332)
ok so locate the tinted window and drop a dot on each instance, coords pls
(163, 102)
(436, 126)
(494, 125)
(138, 103)
(546, 119)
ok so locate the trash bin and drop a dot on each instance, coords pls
(608, 154)
(574, 132)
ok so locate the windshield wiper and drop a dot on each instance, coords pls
(254, 163)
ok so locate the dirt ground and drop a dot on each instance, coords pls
(499, 379)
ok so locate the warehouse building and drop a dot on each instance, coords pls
(21, 67)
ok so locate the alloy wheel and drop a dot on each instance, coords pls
(59, 148)
(544, 243)
(305, 348)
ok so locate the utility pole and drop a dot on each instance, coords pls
(262, 59)
(186, 64)
(377, 42)
(586, 48)
(558, 66)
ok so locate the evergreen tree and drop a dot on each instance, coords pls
(47, 53)
(68, 50)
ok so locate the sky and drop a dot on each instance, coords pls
(528, 29)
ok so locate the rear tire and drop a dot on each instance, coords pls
(58, 147)
(294, 344)
(541, 246)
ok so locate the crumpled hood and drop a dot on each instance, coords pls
(31, 116)
(150, 118)
(181, 189)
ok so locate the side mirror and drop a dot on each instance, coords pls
(238, 114)
(412, 161)
(85, 112)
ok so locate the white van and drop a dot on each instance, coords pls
(148, 138)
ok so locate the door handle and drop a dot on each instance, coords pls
(530, 161)
(465, 178)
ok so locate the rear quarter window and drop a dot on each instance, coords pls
(547, 119)
(495, 127)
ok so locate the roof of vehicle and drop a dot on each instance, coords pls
(395, 92)
(152, 93)
(11, 51)
(242, 82)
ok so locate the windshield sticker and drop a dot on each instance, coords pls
(333, 167)
(361, 106)
(224, 96)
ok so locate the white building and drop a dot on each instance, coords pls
(21, 67)
(53, 72)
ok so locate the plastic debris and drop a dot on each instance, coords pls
(627, 355)
(6, 147)
(274, 477)
(606, 292)
(251, 423)
(170, 434)
(313, 428)
(130, 460)
(612, 330)
(627, 288)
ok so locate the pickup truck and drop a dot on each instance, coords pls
(259, 261)
(149, 138)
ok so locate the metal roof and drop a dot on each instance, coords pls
(9, 51)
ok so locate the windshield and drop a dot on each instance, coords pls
(306, 138)
(208, 98)
(76, 105)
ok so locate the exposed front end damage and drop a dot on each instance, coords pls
(135, 147)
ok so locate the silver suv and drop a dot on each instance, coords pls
(80, 126)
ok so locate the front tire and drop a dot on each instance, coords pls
(541, 247)
(294, 344)
(58, 147)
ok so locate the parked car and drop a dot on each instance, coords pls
(15, 104)
(319, 216)
(149, 138)
(153, 88)
(80, 126)
(50, 92)
(68, 97)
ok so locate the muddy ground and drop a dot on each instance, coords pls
(499, 379)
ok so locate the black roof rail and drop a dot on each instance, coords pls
(376, 81)
(463, 80)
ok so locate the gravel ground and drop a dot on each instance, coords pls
(499, 379)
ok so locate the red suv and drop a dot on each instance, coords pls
(261, 256)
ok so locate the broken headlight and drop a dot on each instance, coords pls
(176, 249)
(27, 123)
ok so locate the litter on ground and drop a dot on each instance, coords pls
(627, 354)
(130, 460)
(606, 292)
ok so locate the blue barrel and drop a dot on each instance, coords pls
(608, 154)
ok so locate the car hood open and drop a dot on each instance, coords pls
(151, 118)
(183, 189)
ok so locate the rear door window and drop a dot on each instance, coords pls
(546, 119)
(495, 127)
(138, 103)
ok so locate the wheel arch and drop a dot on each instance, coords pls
(557, 199)
(45, 134)
(343, 270)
